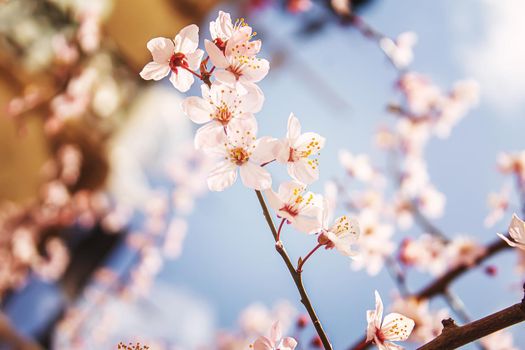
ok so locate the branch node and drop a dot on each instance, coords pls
(448, 324)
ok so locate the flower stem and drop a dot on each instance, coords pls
(301, 263)
(280, 228)
(295, 275)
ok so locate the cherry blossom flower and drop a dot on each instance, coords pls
(178, 56)
(296, 151)
(394, 327)
(298, 6)
(516, 232)
(275, 341)
(374, 243)
(400, 50)
(431, 202)
(341, 234)
(498, 203)
(235, 59)
(357, 166)
(217, 107)
(241, 150)
(426, 253)
(422, 96)
(302, 210)
(512, 163)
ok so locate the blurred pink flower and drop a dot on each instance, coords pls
(275, 341)
(399, 51)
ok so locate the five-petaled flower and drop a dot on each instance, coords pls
(218, 106)
(340, 234)
(516, 232)
(275, 341)
(302, 210)
(180, 56)
(241, 150)
(394, 327)
(296, 150)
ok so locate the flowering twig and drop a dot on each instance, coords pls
(297, 277)
(453, 336)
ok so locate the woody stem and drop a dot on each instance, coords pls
(297, 277)
(280, 228)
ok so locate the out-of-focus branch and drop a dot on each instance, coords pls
(453, 336)
(297, 276)
(440, 285)
(10, 337)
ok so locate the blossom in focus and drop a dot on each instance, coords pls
(178, 56)
(340, 234)
(218, 106)
(296, 151)
(394, 327)
(400, 51)
(302, 210)
(235, 60)
(275, 341)
(357, 166)
(241, 150)
(374, 243)
(516, 232)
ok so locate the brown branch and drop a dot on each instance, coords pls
(453, 336)
(297, 276)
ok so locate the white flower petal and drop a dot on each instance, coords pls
(397, 327)
(303, 170)
(161, 49)
(294, 128)
(155, 71)
(222, 177)
(216, 55)
(182, 80)
(188, 39)
(194, 59)
(255, 177)
(197, 109)
(209, 136)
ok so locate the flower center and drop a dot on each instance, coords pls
(293, 156)
(239, 155)
(223, 115)
(178, 59)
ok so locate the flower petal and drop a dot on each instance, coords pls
(276, 332)
(216, 55)
(194, 59)
(226, 77)
(209, 136)
(155, 71)
(197, 109)
(182, 80)
(161, 49)
(265, 150)
(397, 327)
(188, 39)
(303, 170)
(222, 177)
(254, 176)
(306, 224)
(263, 343)
(294, 127)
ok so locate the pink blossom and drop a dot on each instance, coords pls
(463, 251)
(427, 253)
(302, 210)
(400, 50)
(177, 56)
(394, 327)
(498, 203)
(241, 150)
(275, 341)
(298, 152)
(357, 166)
(340, 234)
(218, 106)
(516, 232)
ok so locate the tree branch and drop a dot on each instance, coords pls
(297, 277)
(453, 336)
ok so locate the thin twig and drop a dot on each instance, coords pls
(297, 277)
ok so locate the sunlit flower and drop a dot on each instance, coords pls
(298, 150)
(516, 232)
(400, 51)
(178, 56)
(275, 341)
(241, 150)
(357, 166)
(218, 106)
(394, 327)
(340, 234)
(302, 210)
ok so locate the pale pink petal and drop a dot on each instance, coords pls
(511, 243)
(216, 55)
(306, 224)
(197, 109)
(155, 71)
(379, 310)
(182, 80)
(188, 39)
(209, 136)
(304, 170)
(226, 77)
(304, 142)
(222, 177)
(265, 150)
(282, 151)
(397, 327)
(276, 332)
(161, 49)
(287, 190)
(194, 59)
(262, 343)
(257, 70)
(253, 100)
(254, 176)
(517, 229)
(222, 27)
(294, 127)
(288, 343)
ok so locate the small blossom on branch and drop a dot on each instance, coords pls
(516, 232)
(275, 341)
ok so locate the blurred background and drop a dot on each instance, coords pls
(108, 233)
